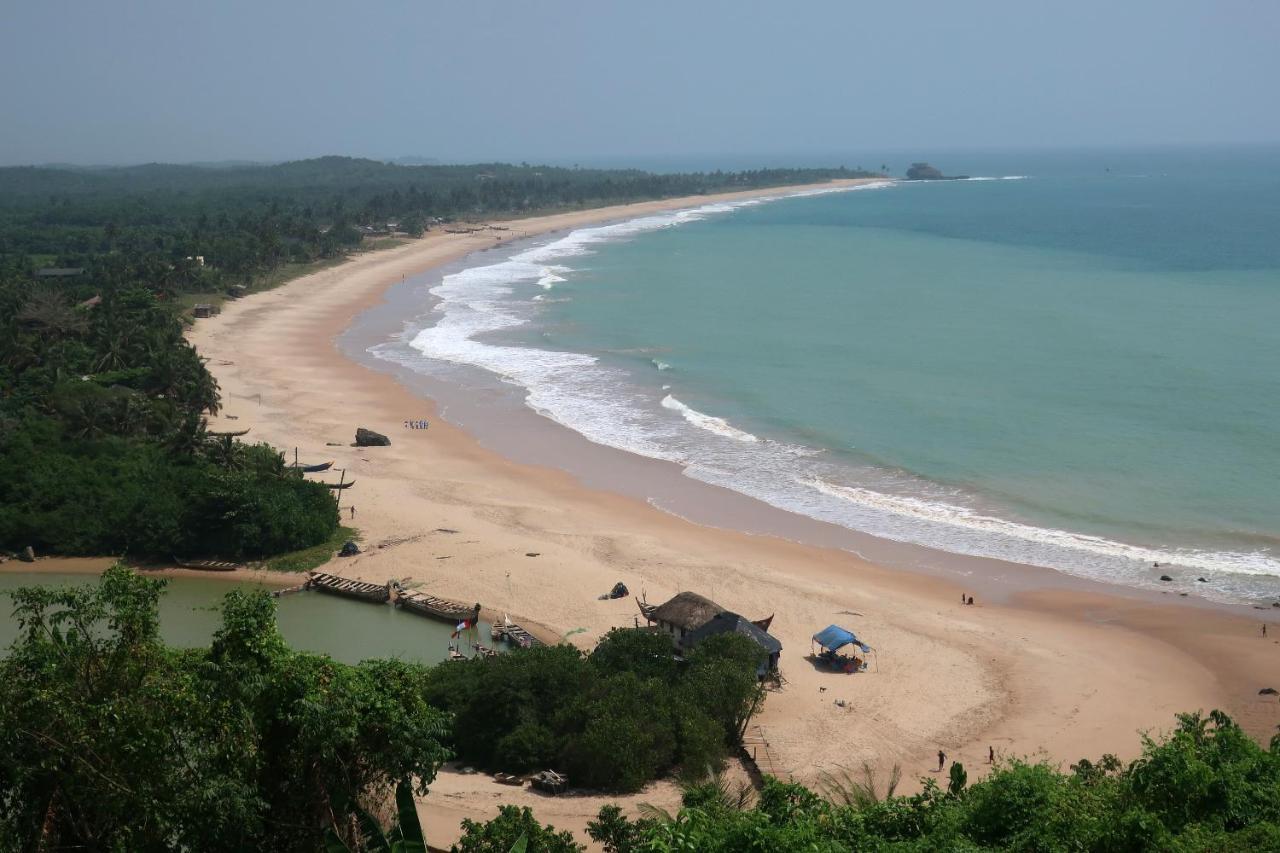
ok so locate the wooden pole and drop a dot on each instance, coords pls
(341, 480)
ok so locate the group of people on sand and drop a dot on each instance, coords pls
(966, 600)
(419, 424)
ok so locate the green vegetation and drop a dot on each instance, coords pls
(306, 559)
(512, 828)
(111, 741)
(612, 721)
(1207, 787)
(103, 447)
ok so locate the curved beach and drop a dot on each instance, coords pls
(1040, 665)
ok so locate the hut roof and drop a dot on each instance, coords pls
(687, 610)
(726, 622)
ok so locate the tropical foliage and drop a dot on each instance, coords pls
(613, 720)
(103, 447)
(109, 740)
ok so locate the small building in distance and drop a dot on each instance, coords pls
(689, 618)
(204, 309)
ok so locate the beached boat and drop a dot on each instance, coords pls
(520, 637)
(340, 485)
(549, 781)
(348, 588)
(235, 433)
(437, 608)
(209, 565)
(508, 779)
(312, 469)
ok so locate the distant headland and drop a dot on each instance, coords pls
(925, 172)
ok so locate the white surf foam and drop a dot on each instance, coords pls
(1019, 535)
(710, 423)
(550, 278)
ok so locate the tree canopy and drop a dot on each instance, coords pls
(614, 720)
(109, 740)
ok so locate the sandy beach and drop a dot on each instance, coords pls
(1046, 669)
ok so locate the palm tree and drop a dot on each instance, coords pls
(841, 788)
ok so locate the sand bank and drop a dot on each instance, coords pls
(1063, 672)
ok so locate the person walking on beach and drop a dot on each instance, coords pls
(1264, 629)
(353, 512)
(942, 759)
(991, 755)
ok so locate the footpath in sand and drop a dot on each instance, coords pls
(1061, 674)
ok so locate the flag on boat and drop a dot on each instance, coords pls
(462, 626)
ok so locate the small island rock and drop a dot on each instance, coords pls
(925, 172)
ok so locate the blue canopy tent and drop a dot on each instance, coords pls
(832, 639)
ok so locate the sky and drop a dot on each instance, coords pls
(544, 81)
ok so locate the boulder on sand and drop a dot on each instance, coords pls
(369, 438)
(349, 549)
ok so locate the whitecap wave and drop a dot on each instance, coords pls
(550, 277)
(1019, 535)
(710, 423)
(660, 364)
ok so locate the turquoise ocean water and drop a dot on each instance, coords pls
(1073, 362)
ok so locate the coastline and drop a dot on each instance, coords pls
(1067, 671)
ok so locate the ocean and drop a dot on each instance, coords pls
(1071, 360)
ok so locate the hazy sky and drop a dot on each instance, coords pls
(120, 81)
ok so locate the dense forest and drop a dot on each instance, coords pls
(245, 219)
(103, 403)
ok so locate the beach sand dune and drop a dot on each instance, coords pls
(1064, 674)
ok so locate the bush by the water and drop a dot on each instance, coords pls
(613, 720)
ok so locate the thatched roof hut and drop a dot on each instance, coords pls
(686, 611)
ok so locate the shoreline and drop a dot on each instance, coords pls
(487, 408)
(1048, 671)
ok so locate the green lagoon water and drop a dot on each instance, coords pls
(349, 631)
(1076, 367)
